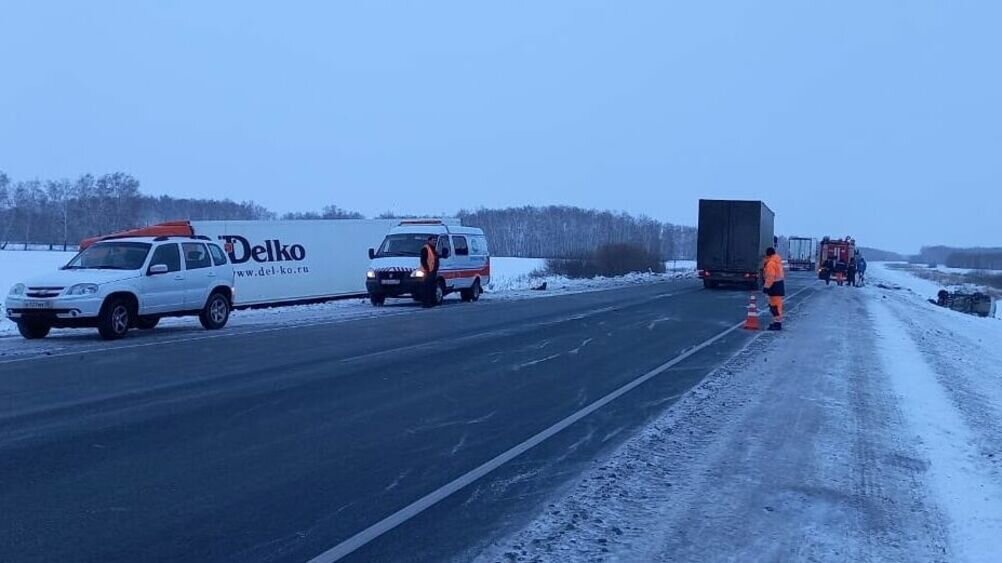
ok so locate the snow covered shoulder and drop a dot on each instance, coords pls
(870, 430)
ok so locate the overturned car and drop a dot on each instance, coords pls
(976, 303)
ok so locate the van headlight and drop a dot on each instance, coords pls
(371, 274)
(82, 289)
(417, 274)
(18, 289)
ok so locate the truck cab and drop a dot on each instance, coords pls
(395, 267)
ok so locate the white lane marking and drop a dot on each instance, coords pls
(376, 530)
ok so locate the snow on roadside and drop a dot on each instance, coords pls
(886, 272)
(517, 278)
(961, 477)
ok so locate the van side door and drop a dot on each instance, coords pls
(461, 249)
(446, 260)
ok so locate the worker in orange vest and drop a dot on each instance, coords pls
(775, 287)
(429, 265)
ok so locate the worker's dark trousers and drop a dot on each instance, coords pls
(430, 281)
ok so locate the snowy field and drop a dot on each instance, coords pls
(886, 447)
(513, 278)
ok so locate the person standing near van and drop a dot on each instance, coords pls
(775, 287)
(429, 265)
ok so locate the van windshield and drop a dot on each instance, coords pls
(403, 245)
(111, 256)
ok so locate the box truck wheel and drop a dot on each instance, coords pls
(377, 300)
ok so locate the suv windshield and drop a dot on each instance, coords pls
(403, 245)
(111, 256)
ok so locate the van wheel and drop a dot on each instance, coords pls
(377, 300)
(33, 331)
(115, 319)
(147, 323)
(439, 293)
(473, 293)
(216, 312)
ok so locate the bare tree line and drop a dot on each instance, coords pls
(572, 232)
(973, 258)
(60, 213)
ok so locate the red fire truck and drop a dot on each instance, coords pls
(833, 259)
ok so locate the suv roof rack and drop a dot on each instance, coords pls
(162, 238)
(421, 222)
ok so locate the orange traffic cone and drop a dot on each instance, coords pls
(751, 321)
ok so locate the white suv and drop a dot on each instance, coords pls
(117, 284)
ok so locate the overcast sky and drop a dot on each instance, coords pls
(882, 120)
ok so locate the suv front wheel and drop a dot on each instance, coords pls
(216, 312)
(115, 319)
(33, 331)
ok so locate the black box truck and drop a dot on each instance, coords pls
(731, 242)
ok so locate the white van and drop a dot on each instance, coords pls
(395, 267)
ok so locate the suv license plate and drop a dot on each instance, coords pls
(391, 282)
(37, 304)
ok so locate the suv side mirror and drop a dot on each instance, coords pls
(157, 269)
(446, 252)
(372, 253)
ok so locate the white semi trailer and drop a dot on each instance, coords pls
(286, 261)
(802, 254)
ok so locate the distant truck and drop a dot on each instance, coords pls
(802, 254)
(731, 243)
(285, 261)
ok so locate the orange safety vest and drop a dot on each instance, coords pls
(432, 258)
(773, 270)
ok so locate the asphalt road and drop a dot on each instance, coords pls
(280, 445)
